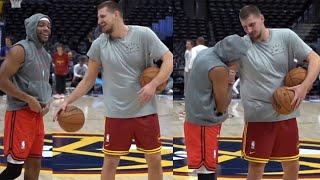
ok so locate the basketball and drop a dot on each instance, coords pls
(295, 77)
(281, 100)
(148, 74)
(72, 119)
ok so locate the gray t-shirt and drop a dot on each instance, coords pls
(33, 74)
(199, 101)
(264, 70)
(123, 60)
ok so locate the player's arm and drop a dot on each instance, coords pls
(165, 70)
(86, 83)
(313, 69)
(148, 91)
(9, 67)
(221, 88)
(233, 69)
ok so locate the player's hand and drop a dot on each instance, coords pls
(232, 76)
(300, 92)
(146, 93)
(62, 107)
(45, 110)
(34, 104)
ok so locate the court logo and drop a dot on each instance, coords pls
(231, 163)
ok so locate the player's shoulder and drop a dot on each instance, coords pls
(103, 37)
(136, 29)
(281, 30)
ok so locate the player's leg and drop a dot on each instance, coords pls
(32, 165)
(12, 170)
(154, 166)
(196, 138)
(210, 142)
(255, 170)
(147, 138)
(290, 170)
(18, 137)
(286, 149)
(257, 147)
(109, 168)
(204, 174)
(117, 141)
(32, 168)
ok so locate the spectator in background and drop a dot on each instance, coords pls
(187, 59)
(61, 69)
(79, 70)
(195, 50)
(8, 43)
(89, 39)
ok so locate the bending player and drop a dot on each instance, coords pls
(207, 98)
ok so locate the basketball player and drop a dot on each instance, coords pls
(24, 76)
(207, 98)
(123, 52)
(269, 135)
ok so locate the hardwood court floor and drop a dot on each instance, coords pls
(86, 143)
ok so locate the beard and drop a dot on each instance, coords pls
(257, 36)
(108, 31)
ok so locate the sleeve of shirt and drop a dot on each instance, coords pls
(94, 51)
(156, 48)
(75, 70)
(192, 57)
(300, 49)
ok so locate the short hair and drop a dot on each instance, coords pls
(111, 5)
(82, 58)
(60, 45)
(248, 10)
(189, 40)
(200, 40)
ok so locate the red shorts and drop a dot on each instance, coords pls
(23, 134)
(202, 145)
(264, 141)
(119, 133)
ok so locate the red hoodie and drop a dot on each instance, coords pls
(61, 63)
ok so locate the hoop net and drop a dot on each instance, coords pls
(15, 3)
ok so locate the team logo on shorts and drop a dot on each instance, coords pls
(107, 138)
(252, 147)
(23, 145)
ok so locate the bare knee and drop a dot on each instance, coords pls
(290, 166)
(111, 161)
(256, 167)
(255, 171)
(153, 160)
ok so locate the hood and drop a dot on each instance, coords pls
(31, 28)
(231, 48)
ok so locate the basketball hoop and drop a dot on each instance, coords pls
(15, 3)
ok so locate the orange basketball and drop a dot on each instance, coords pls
(281, 100)
(72, 119)
(295, 77)
(148, 74)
